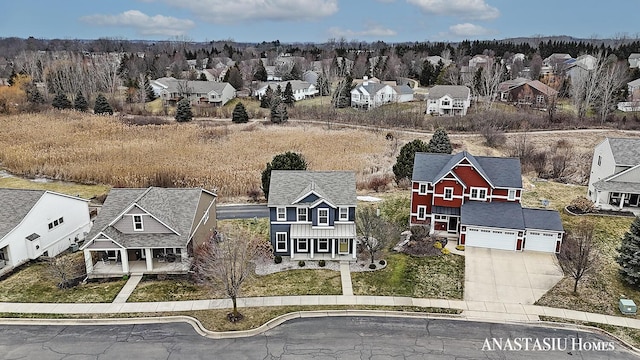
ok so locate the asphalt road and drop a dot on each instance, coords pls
(225, 212)
(317, 338)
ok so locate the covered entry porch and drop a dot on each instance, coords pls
(315, 243)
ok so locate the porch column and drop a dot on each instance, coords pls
(148, 255)
(622, 200)
(597, 197)
(354, 248)
(334, 244)
(125, 260)
(88, 261)
(291, 252)
(433, 225)
(311, 247)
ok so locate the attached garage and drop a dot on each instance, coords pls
(541, 241)
(544, 230)
(491, 238)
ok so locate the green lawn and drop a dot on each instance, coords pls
(83, 191)
(426, 277)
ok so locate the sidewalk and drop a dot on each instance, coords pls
(128, 288)
(473, 310)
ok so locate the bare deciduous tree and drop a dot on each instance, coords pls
(613, 77)
(375, 232)
(578, 256)
(65, 268)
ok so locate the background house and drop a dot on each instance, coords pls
(312, 214)
(301, 89)
(476, 199)
(36, 223)
(614, 182)
(153, 230)
(527, 92)
(198, 92)
(450, 100)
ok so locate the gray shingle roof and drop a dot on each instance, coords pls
(174, 207)
(403, 89)
(196, 87)
(15, 205)
(455, 91)
(542, 219)
(501, 172)
(338, 187)
(371, 88)
(506, 215)
(634, 83)
(626, 151)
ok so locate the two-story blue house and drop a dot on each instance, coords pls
(312, 214)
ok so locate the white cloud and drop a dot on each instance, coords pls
(144, 24)
(468, 9)
(468, 30)
(370, 30)
(228, 11)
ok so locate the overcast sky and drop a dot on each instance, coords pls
(318, 20)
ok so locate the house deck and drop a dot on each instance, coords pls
(114, 269)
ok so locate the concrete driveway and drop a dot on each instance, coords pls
(508, 276)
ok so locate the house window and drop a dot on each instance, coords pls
(302, 214)
(137, 223)
(55, 223)
(344, 214)
(282, 213)
(599, 160)
(445, 102)
(281, 241)
(323, 217)
(303, 245)
(478, 193)
(323, 244)
(540, 99)
(422, 189)
(448, 193)
(512, 194)
(422, 212)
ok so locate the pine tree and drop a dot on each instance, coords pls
(61, 102)
(426, 75)
(285, 161)
(265, 100)
(102, 106)
(80, 103)
(183, 111)
(287, 96)
(278, 111)
(33, 94)
(322, 84)
(278, 92)
(261, 72)
(629, 254)
(342, 95)
(239, 114)
(403, 168)
(440, 143)
(202, 77)
(148, 90)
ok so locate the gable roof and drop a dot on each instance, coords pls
(454, 91)
(500, 172)
(16, 204)
(336, 187)
(624, 181)
(174, 207)
(198, 87)
(506, 215)
(634, 83)
(626, 151)
(542, 219)
(295, 85)
(371, 88)
(403, 89)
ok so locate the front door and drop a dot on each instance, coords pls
(453, 224)
(344, 246)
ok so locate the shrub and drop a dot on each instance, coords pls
(376, 183)
(321, 263)
(254, 194)
(445, 251)
(277, 259)
(183, 111)
(382, 262)
(460, 247)
(493, 137)
(582, 205)
(437, 245)
(301, 263)
(372, 266)
(125, 277)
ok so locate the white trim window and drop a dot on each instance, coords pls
(512, 194)
(302, 245)
(448, 193)
(323, 245)
(422, 189)
(281, 242)
(55, 223)
(477, 193)
(422, 212)
(137, 223)
(344, 214)
(281, 213)
(323, 217)
(302, 214)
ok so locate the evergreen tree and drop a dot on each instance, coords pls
(440, 143)
(426, 75)
(202, 77)
(293, 74)
(403, 169)
(61, 102)
(102, 106)
(234, 77)
(436, 72)
(322, 84)
(342, 95)
(278, 92)
(265, 100)
(629, 255)
(80, 103)
(239, 114)
(34, 95)
(148, 90)
(183, 111)
(285, 161)
(261, 72)
(278, 111)
(287, 96)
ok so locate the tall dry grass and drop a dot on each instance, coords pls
(93, 149)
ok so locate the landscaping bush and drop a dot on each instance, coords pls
(372, 266)
(277, 259)
(437, 245)
(382, 262)
(460, 247)
(301, 263)
(445, 251)
(321, 263)
(581, 205)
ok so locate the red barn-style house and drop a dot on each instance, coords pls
(477, 200)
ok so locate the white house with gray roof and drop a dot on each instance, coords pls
(36, 223)
(448, 100)
(301, 89)
(198, 92)
(153, 230)
(614, 182)
(371, 94)
(312, 214)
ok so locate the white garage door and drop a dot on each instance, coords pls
(494, 239)
(539, 241)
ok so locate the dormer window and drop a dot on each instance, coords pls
(323, 217)
(137, 223)
(344, 214)
(302, 214)
(478, 193)
(282, 214)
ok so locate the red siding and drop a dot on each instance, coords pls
(415, 185)
(462, 236)
(500, 192)
(440, 226)
(470, 177)
(420, 200)
(457, 191)
(519, 245)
